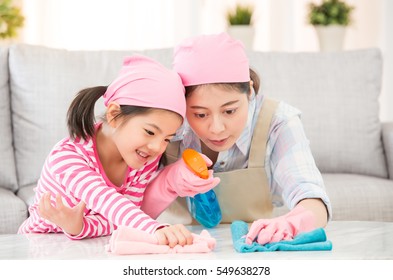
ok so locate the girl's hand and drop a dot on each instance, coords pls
(185, 182)
(174, 180)
(174, 235)
(69, 219)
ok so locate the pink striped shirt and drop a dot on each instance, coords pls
(73, 169)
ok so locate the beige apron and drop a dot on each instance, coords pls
(243, 194)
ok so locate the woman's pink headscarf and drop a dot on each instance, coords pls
(209, 59)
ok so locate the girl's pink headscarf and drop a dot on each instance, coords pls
(145, 82)
(209, 59)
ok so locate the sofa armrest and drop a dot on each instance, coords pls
(387, 138)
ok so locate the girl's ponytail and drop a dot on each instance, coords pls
(80, 115)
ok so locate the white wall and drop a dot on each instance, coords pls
(133, 24)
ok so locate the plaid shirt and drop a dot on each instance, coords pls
(290, 166)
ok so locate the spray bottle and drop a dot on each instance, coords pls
(204, 207)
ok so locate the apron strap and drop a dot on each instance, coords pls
(261, 133)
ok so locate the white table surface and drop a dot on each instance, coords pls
(351, 241)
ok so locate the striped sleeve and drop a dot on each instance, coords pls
(71, 171)
(94, 225)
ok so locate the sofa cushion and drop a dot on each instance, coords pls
(338, 96)
(43, 84)
(359, 198)
(27, 194)
(13, 212)
(7, 161)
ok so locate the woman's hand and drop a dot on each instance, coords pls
(174, 235)
(69, 219)
(309, 214)
(281, 228)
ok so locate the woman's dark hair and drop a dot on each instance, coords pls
(243, 87)
(80, 115)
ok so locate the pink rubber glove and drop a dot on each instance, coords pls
(180, 179)
(175, 180)
(281, 228)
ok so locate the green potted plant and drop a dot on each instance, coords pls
(240, 25)
(330, 12)
(241, 15)
(330, 19)
(11, 19)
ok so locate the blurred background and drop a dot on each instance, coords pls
(278, 25)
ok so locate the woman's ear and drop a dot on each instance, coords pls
(112, 111)
(251, 88)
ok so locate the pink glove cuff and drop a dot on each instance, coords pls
(301, 220)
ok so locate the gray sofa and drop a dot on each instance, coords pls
(336, 92)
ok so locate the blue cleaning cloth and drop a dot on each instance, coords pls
(309, 241)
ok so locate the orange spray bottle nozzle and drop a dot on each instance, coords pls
(196, 163)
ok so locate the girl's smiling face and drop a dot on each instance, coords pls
(217, 115)
(143, 137)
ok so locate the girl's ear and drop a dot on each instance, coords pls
(113, 110)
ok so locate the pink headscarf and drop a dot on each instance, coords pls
(145, 82)
(209, 59)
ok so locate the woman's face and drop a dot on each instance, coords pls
(217, 115)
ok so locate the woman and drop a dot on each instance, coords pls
(257, 145)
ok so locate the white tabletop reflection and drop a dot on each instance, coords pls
(351, 241)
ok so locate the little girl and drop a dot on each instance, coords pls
(99, 173)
